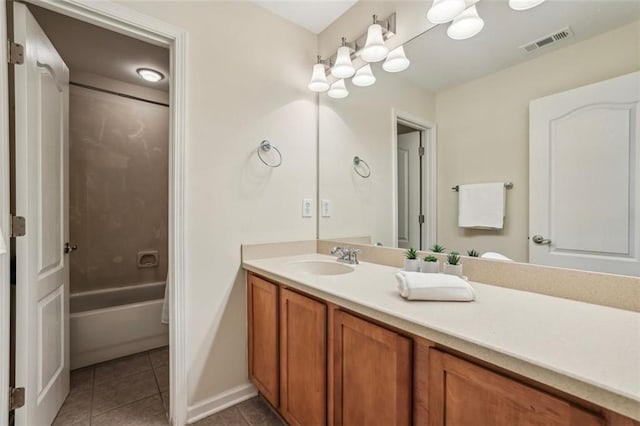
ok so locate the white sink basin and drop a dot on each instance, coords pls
(319, 267)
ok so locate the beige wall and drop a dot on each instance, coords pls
(247, 72)
(483, 132)
(118, 181)
(362, 125)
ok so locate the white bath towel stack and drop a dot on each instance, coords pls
(481, 205)
(436, 287)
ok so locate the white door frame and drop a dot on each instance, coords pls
(129, 22)
(429, 178)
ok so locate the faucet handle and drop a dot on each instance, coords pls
(336, 249)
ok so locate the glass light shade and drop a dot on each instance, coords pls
(466, 25)
(396, 61)
(442, 11)
(338, 90)
(364, 77)
(524, 4)
(150, 75)
(374, 49)
(343, 68)
(319, 81)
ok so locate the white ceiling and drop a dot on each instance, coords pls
(438, 62)
(88, 48)
(314, 15)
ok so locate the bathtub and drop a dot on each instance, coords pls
(115, 322)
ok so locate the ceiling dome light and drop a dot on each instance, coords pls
(374, 49)
(524, 4)
(318, 81)
(343, 68)
(338, 90)
(150, 75)
(396, 61)
(443, 11)
(364, 77)
(466, 25)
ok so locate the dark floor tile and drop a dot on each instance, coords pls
(147, 412)
(76, 410)
(82, 379)
(122, 367)
(116, 392)
(258, 413)
(165, 401)
(229, 417)
(162, 376)
(159, 357)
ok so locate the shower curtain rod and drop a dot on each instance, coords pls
(86, 86)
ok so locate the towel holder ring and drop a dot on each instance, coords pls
(507, 185)
(356, 162)
(265, 146)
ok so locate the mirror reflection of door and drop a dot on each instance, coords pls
(409, 187)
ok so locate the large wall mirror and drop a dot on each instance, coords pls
(546, 99)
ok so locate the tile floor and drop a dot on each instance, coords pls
(134, 391)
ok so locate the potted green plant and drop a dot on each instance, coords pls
(411, 261)
(430, 265)
(453, 265)
(437, 248)
(473, 253)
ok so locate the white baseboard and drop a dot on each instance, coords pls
(221, 401)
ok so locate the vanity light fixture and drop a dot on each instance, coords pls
(343, 68)
(338, 90)
(364, 77)
(466, 25)
(150, 75)
(396, 61)
(374, 49)
(524, 4)
(319, 81)
(443, 11)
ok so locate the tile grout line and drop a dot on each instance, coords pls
(246, 420)
(93, 388)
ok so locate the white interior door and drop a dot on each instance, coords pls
(584, 163)
(42, 309)
(408, 190)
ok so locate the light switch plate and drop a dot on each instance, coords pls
(325, 208)
(307, 207)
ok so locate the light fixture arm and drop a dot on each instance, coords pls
(388, 25)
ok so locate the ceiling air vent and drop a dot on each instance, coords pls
(563, 34)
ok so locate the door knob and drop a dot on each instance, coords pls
(68, 248)
(539, 239)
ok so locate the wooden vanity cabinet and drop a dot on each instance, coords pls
(264, 357)
(303, 359)
(462, 394)
(372, 374)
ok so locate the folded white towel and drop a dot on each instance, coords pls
(495, 256)
(481, 205)
(443, 287)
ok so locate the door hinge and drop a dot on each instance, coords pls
(421, 151)
(16, 53)
(420, 218)
(18, 226)
(16, 398)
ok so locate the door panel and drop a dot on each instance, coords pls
(409, 190)
(42, 291)
(584, 192)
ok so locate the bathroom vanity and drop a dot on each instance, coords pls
(339, 346)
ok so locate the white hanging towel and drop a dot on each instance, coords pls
(481, 205)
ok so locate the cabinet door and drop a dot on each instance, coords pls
(463, 394)
(303, 359)
(372, 374)
(262, 301)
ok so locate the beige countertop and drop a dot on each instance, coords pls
(590, 351)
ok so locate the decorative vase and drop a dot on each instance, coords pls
(430, 267)
(412, 265)
(453, 269)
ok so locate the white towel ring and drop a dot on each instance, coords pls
(357, 161)
(265, 146)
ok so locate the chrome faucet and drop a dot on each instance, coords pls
(346, 255)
